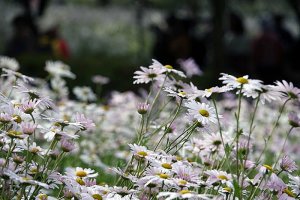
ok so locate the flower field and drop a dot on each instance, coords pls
(173, 140)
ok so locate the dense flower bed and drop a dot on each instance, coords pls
(234, 141)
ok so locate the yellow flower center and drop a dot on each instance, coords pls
(182, 93)
(17, 118)
(182, 182)
(184, 192)
(242, 80)
(289, 192)
(14, 134)
(208, 90)
(166, 166)
(268, 167)
(168, 67)
(97, 196)
(81, 173)
(42, 196)
(222, 177)
(227, 189)
(80, 181)
(204, 113)
(178, 158)
(142, 153)
(164, 176)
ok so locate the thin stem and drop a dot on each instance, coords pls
(238, 131)
(167, 129)
(272, 131)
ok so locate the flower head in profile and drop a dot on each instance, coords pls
(9, 63)
(287, 164)
(250, 87)
(147, 75)
(166, 68)
(190, 67)
(84, 93)
(142, 108)
(202, 112)
(294, 120)
(59, 69)
(287, 89)
(101, 80)
(86, 124)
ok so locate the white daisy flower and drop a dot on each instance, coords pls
(287, 89)
(17, 75)
(190, 67)
(9, 63)
(251, 87)
(208, 92)
(202, 112)
(173, 93)
(166, 68)
(84, 93)
(269, 94)
(294, 183)
(59, 69)
(140, 151)
(217, 176)
(147, 75)
(182, 194)
(81, 172)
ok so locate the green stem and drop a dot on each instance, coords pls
(167, 129)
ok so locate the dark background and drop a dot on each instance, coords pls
(113, 38)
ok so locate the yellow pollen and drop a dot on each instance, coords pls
(178, 158)
(227, 189)
(168, 67)
(81, 173)
(26, 178)
(142, 153)
(288, 192)
(242, 80)
(182, 182)
(182, 93)
(42, 196)
(222, 177)
(97, 196)
(80, 181)
(268, 167)
(166, 166)
(204, 113)
(209, 90)
(17, 118)
(184, 192)
(164, 176)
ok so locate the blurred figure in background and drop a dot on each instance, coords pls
(268, 53)
(178, 41)
(51, 42)
(237, 45)
(24, 36)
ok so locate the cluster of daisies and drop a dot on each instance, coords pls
(234, 141)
